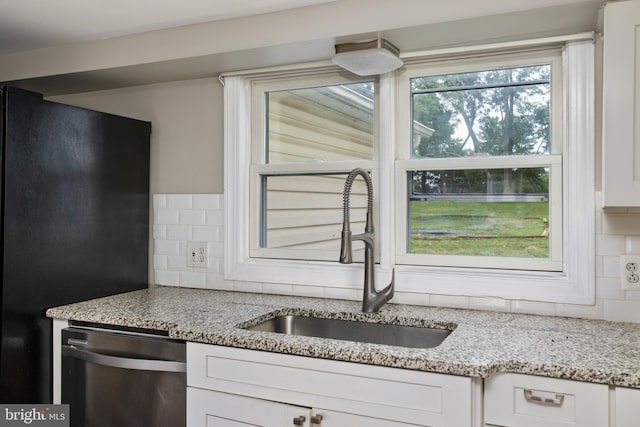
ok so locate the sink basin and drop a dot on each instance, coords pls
(377, 333)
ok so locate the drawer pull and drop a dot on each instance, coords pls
(530, 397)
(298, 421)
(316, 420)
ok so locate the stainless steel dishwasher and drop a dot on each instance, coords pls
(123, 378)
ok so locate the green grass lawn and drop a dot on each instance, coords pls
(516, 229)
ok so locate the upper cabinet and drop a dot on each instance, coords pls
(621, 98)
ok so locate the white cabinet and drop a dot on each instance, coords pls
(627, 405)
(341, 393)
(515, 400)
(621, 104)
(213, 409)
(339, 419)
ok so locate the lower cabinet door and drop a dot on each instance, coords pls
(627, 407)
(215, 409)
(207, 408)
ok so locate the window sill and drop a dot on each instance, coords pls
(510, 285)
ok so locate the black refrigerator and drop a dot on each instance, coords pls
(74, 215)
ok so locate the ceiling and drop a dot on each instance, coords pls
(31, 24)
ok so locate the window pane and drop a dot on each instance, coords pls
(496, 212)
(320, 123)
(489, 113)
(304, 212)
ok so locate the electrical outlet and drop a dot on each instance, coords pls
(630, 272)
(198, 254)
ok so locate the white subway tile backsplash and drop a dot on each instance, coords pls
(609, 288)
(177, 263)
(183, 247)
(307, 291)
(611, 266)
(583, 311)
(192, 216)
(622, 311)
(247, 287)
(160, 232)
(632, 295)
(216, 281)
(167, 247)
(207, 201)
(609, 245)
(598, 264)
(206, 233)
(277, 289)
(166, 216)
(451, 301)
(216, 249)
(632, 244)
(410, 298)
(167, 278)
(215, 265)
(341, 293)
(179, 232)
(487, 303)
(179, 218)
(214, 217)
(533, 307)
(159, 201)
(160, 262)
(179, 201)
(192, 279)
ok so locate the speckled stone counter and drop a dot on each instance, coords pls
(481, 343)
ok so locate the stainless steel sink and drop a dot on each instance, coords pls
(359, 331)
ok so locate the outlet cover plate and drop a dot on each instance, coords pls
(198, 254)
(630, 272)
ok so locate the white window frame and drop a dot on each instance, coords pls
(552, 160)
(239, 194)
(575, 284)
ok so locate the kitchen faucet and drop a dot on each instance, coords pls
(372, 299)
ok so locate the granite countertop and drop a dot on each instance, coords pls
(482, 342)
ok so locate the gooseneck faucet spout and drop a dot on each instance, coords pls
(372, 299)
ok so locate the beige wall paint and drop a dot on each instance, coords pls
(187, 130)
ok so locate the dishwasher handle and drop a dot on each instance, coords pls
(124, 362)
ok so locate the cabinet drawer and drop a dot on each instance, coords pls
(393, 394)
(516, 400)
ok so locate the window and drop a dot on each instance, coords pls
(309, 133)
(482, 163)
(482, 167)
